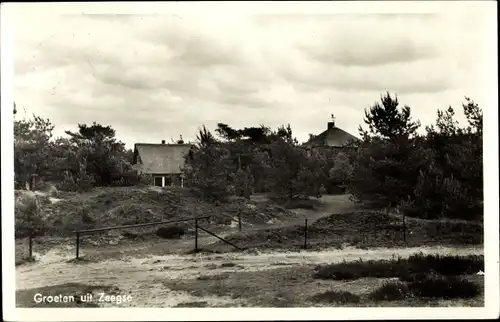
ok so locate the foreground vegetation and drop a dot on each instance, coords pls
(299, 286)
(409, 269)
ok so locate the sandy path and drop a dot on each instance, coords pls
(141, 278)
(330, 204)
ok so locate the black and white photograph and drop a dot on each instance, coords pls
(324, 157)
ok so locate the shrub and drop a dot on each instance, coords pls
(130, 235)
(193, 304)
(213, 277)
(391, 291)
(358, 269)
(405, 269)
(79, 219)
(446, 265)
(28, 215)
(170, 232)
(76, 183)
(134, 178)
(340, 297)
(446, 287)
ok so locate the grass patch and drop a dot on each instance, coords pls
(405, 269)
(391, 291)
(81, 260)
(295, 287)
(193, 304)
(213, 277)
(362, 229)
(25, 260)
(274, 288)
(301, 203)
(445, 287)
(431, 286)
(340, 297)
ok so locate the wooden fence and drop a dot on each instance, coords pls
(79, 233)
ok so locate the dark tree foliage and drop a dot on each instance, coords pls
(388, 120)
(227, 133)
(102, 154)
(452, 186)
(205, 138)
(435, 175)
(253, 159)
(32, 150)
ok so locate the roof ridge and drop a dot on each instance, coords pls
(165, 144)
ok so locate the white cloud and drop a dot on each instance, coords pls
(154, 77)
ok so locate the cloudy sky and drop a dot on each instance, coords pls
(157, 76)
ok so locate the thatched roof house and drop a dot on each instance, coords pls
(164, 162)
(333, 137)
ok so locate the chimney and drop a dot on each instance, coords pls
(331, 124)
(162, 141)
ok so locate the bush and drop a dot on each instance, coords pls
(28, 215)
(213, 277)
(463, 233)
(358, 269)
(134, 178)
(446, 265)
(438, 196)
(391, 291)
(446, 287)
(76, 183)
(427, 286)
(405, 269)
(340, 297)
(171, 232)
(299, 203)
(79, 219)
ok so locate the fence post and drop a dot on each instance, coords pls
(239, 221)
(30, 240)
(196, 234)
(404, 228)
(305, 234)
(77, 244)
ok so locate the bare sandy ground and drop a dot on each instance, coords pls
(142, 277)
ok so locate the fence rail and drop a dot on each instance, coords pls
(79, 232)
(227, 242)
(138, 225)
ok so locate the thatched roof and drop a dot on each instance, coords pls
(333, 137)
(161, 158)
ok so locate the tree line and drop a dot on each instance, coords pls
(431, 175)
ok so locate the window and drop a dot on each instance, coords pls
(159, 181)
(168, 181)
